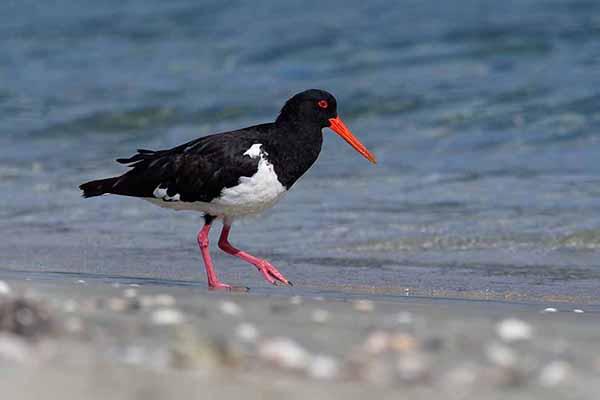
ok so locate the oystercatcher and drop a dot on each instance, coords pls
(233, 174)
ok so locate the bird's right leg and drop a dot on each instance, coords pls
(213, 281)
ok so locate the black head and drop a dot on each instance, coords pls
(311, 107)
(314, 109)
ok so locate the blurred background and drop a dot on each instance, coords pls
(484, 116)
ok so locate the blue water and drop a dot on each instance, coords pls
(484, 117)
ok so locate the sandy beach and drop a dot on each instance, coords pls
(463, 265)
(89, 339)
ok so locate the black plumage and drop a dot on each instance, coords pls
(235, 173)
(199, 170)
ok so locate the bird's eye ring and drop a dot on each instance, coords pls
(323, 104)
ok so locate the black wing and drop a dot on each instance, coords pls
(196, 171)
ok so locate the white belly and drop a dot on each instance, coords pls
(252, 195)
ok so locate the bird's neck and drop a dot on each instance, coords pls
(298, 146)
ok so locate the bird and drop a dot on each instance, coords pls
(233, 174)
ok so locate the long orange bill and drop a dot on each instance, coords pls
(341, 129)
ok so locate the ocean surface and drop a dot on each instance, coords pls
(484, 117)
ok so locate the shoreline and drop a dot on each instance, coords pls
(177, 340)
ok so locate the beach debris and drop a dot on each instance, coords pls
(167, 316)
(501, 355)
(247, 332)
(513, 329)
(412, 367)
(378, 342)
(296, 300)
(555, 373)
(117, 304)
(14, 349)
(70, 305)
(284, 352)
(26, 318)
(320, 316)
(323, 367)
(152, 357)
(230, 308)
(401, 342)
(4, 289)
(191, 352)
(578, 311)
(363, 305)
(549, 310)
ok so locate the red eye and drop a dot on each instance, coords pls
(323, 104)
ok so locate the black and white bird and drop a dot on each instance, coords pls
(233, 174)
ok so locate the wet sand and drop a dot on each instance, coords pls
(90, 339)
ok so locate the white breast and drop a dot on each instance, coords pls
(252, 195)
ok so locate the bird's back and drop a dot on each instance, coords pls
(195, 171)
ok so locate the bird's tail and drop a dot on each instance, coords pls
(98, 188)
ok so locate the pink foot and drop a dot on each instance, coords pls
(223, 286)
(270, 273)
(219, 286)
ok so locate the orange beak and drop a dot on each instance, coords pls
(341, 129)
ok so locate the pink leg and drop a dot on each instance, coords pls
(269, 272)
(213, 281)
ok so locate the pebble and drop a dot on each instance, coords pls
(377, 342)
(117, 304)
(320, 316)
(4, 288)
(549, 310)
(167, 316)
(80, 281)
(364, 305)
(501, 355)
(70, 305)
(25, 318)
(412, 367)
(130, 293)
(578, 311)
(14, 349)
(555, 373)
(284, 352)
(230, 308)
(296, 300)
(512, 329)
(247, 332)
(401, 342)
(323, 367)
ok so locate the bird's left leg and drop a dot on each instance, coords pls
(270, 273)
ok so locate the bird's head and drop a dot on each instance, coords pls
(318, 107)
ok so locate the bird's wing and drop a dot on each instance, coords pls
(195, 171)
